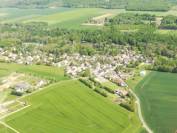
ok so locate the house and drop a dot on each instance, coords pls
(22, 87)
(119, 82)
(121, 92)
(41, 83)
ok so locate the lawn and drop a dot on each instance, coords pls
(158, 95)
(70, 106)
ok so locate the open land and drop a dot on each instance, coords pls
(157, 93)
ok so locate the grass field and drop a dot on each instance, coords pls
(158, 95)
(70, 106)
(47, 72)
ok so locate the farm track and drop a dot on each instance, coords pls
(140, 113)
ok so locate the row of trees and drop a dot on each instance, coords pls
(131, 18)
(169, 22)
(145, 5)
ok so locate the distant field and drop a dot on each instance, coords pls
(70, 106)
(158, 95)
(64, 17)
(60, 17)
(172, 32)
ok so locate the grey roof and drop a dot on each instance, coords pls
(23, 86)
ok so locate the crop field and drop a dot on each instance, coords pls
(47, 72)
(16, 15)
(60, 17)
(165, 31)
(158, 95)
(70, 106)
(64, 17)
(5, 130)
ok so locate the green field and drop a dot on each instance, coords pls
(60, 17)
(46, 72)
(70, 106)
(5, 129)
(158, 95)
(66, 106)
(63, 17)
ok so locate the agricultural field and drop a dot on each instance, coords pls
(4, 129)
(61, 17)
(51, 73)
(12, 74)
(69, 101)
(157, 93)
(71, 106)
(72, 18)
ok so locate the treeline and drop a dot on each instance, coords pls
(169, 22)
(148, 5)
(165, 64)
(131, 18)
(95, 3)
(40, 33)
(140, 5)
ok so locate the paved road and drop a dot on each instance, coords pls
(140, 113)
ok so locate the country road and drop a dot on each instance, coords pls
(140, 113)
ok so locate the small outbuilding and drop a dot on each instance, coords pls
(22, 87)
(143, 73)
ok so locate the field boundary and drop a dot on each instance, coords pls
(140, 115)
(148, 129)
(11, 128)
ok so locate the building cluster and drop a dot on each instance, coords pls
(100, 66)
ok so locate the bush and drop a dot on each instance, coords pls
(16, 93)
(108, 89)
(96, 83)
(100, 92)
(127, 106)
(87, 83)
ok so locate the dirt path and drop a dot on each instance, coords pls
(140, 113)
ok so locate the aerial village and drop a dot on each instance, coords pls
(104, 68)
